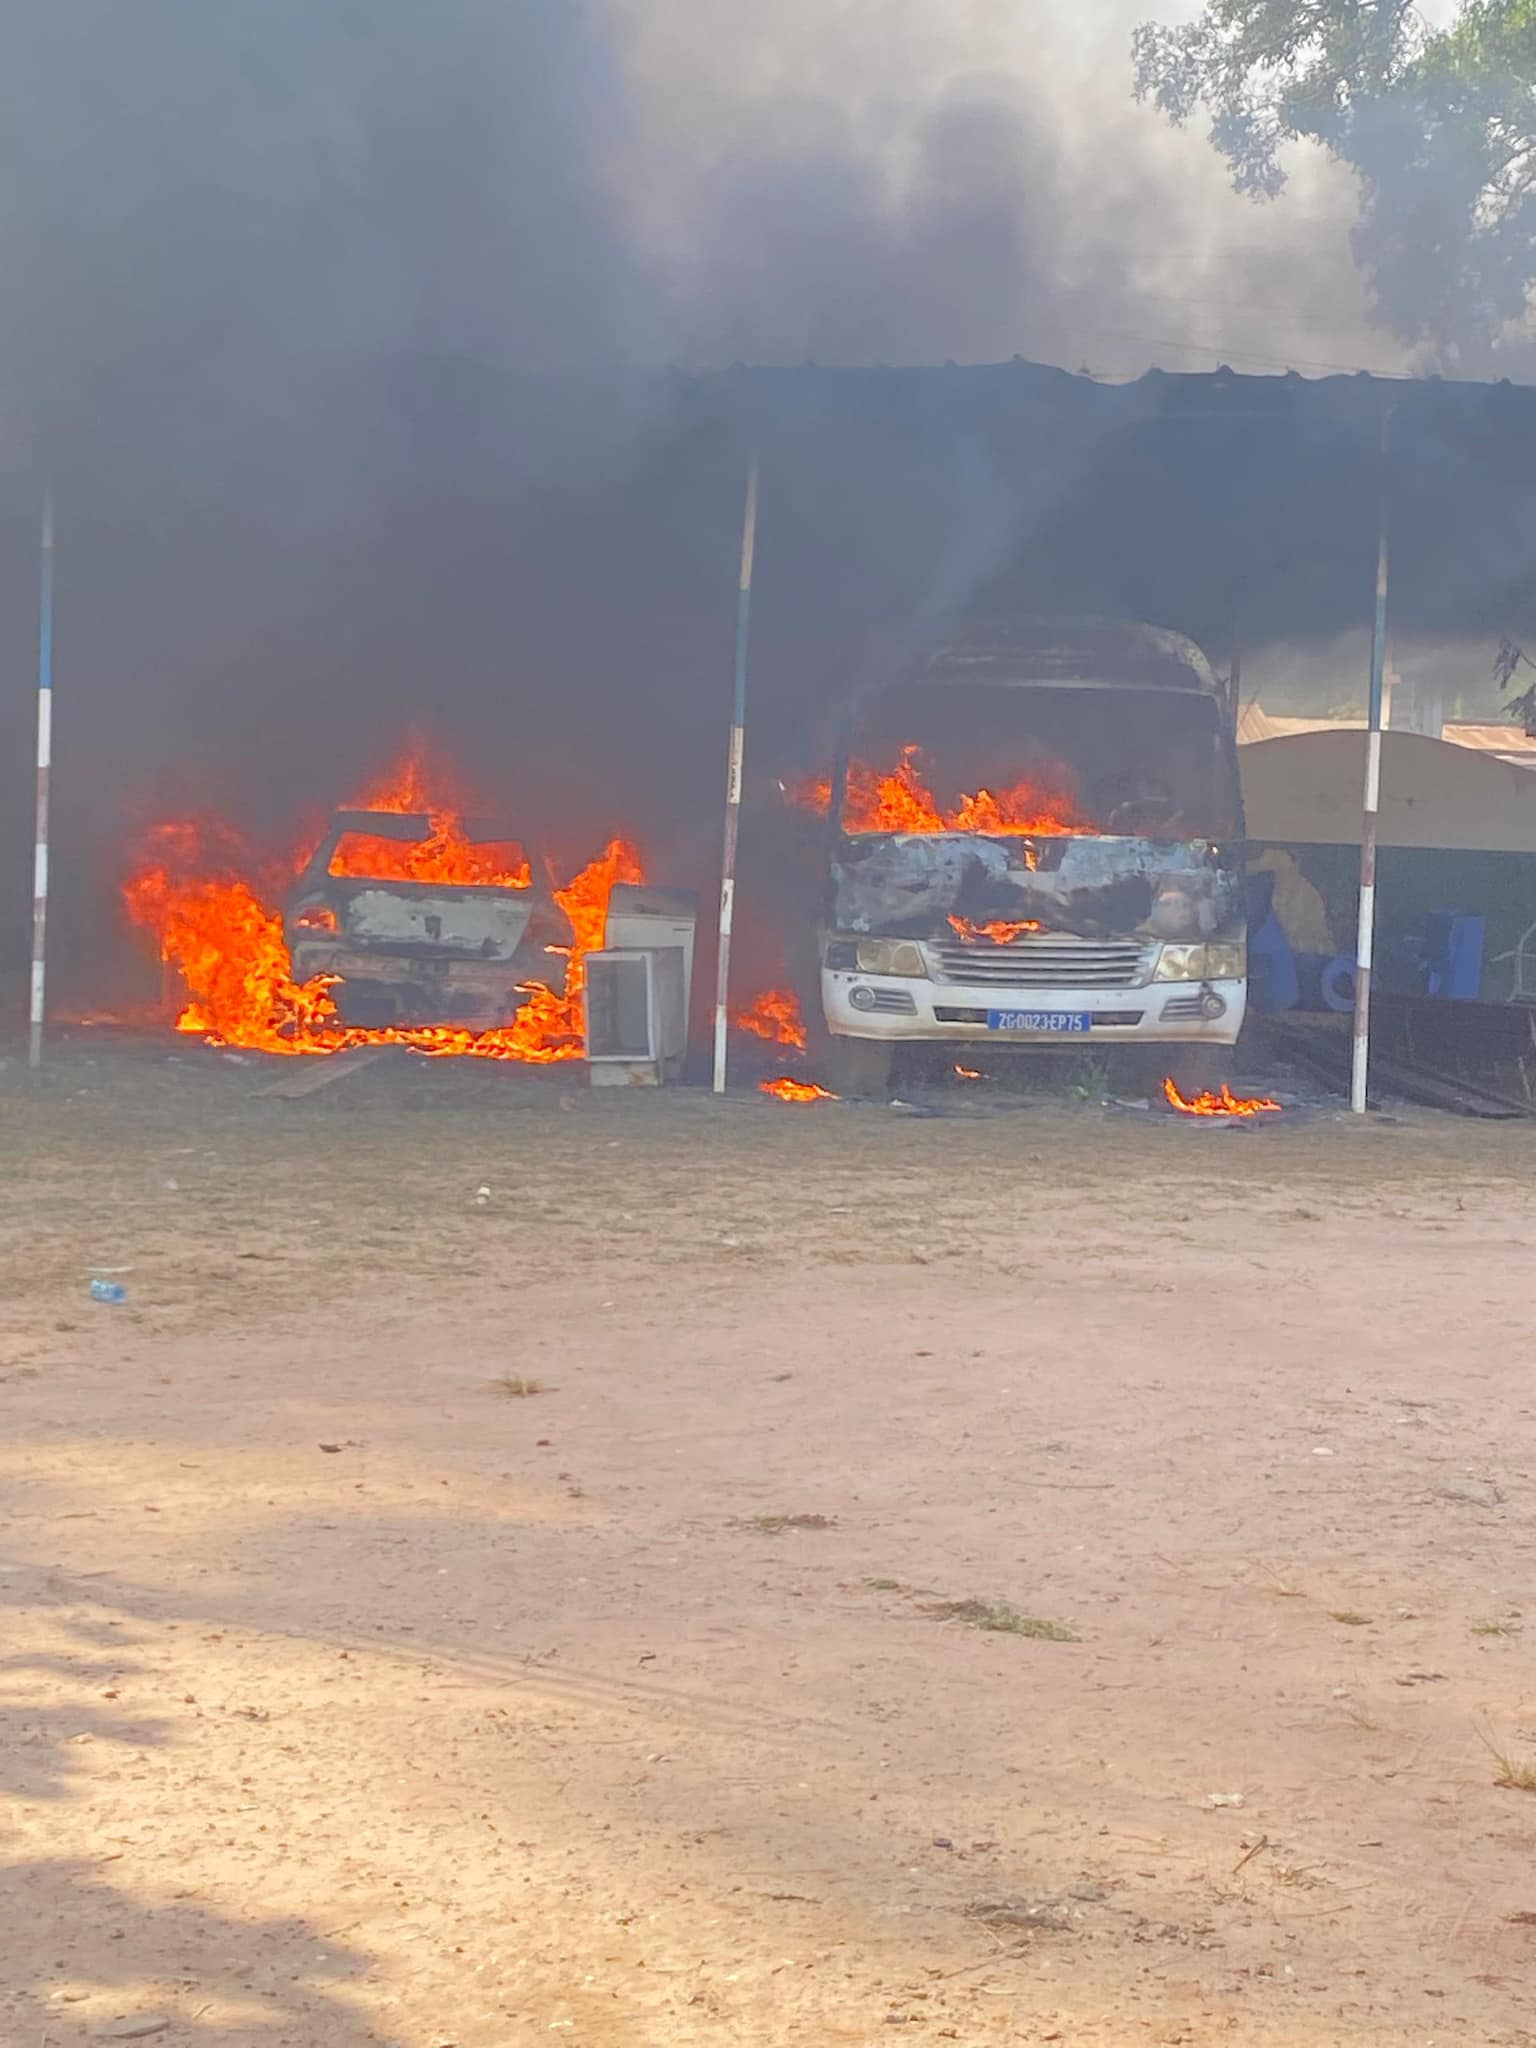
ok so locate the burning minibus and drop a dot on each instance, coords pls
(1036, 841)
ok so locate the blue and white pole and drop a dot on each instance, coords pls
(1365, 935)
(44, 763)
(733, 779)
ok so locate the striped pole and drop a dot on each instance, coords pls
(1365, 937)
(44, 759)
(733, 778)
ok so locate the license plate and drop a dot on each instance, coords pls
(1057, 1023)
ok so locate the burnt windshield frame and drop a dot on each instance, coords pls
(1220, 797)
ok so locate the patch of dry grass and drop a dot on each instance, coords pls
(518, 1387)
(1284, 1587)
(998, 1617)
(779, 1525)
(1514, 1774)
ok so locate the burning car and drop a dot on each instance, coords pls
(400, 945)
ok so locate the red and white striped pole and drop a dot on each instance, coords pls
(44, 761)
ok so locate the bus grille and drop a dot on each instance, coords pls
(1053, 962)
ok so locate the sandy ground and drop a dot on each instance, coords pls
(350, 1697)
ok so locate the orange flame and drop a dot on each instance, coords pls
(901, 801)
(227, 945)
(786, 1090)
(1000, 932)
(211, 923)
(448, 855)
(774, 1016)
(1223, 1104)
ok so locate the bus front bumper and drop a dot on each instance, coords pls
(902, 1010)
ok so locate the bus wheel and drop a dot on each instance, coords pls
(861, 1067)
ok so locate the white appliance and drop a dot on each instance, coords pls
(639, 915)
(636, 1015)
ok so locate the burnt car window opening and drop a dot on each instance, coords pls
(1117, 762)
(431, 856)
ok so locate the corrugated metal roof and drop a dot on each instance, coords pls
(1226, 507)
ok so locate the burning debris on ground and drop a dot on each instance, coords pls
(786, 1089)
(1218, 1102)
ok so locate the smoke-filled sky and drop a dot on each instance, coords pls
(212, 186)
(920, 180)
(271, 271)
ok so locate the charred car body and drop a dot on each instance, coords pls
(1103, 904)
(409, 951)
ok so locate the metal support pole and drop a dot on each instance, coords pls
(733, 779)
(1365, 938)
(44, 759)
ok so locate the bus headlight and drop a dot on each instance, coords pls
(876, 956)
(1225, 962)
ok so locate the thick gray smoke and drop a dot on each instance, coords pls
(198, 198)
(210, 209)
(924, 181)
(333, 322)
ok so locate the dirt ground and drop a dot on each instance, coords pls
(354, 1695)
